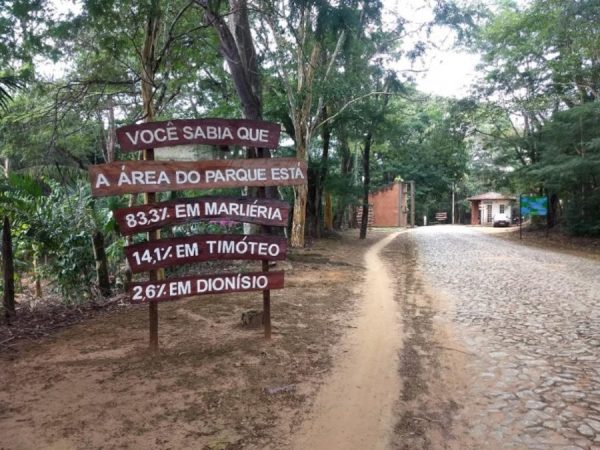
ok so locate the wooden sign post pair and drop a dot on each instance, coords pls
(150, 176)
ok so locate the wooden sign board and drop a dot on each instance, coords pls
(220, 132)
(132, 177)
(244, 209)
(169, 252)
(176, 288)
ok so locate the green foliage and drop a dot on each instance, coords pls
(570, 165)
(424, 142)
(55, 223)
(66, 235)
(23, 26)
(8, 83)
(542, 61)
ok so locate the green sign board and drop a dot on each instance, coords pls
(534, 205)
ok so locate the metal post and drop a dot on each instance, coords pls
(452, 203)
(547, 215)
(520, 219)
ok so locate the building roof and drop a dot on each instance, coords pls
(492, 196)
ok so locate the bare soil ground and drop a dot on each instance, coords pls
(213, 385)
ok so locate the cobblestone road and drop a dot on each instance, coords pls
(530, 318)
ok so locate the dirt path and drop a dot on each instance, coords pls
(354, 408)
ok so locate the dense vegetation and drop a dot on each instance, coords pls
(322, 69)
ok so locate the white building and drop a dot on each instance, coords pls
(485, 206)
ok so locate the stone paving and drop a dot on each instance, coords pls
(531, 320)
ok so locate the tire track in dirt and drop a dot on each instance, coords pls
(432, 361)
(355, 407)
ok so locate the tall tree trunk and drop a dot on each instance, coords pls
(36, 275)
(346, 168)
(101, 264)
(366, 185)
(328, 212)
(299, 216)
(111, 138)
(303, 131)
(8, 267)
(236, 45)
(300, 195)
(321, 176)
(237, 48)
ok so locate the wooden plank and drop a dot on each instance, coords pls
(220, 132)
(169, 252)
(178, 288)
(242, 209)
(266, 303)
(153, 275)
(131, 177)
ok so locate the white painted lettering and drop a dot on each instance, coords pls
(172, 133)
(193, 209)
(227, 134)
(199, 133)
(180, 211)
(146, 136)
(210, 208)
(163, 178)
(186, 250)
(133, 139)
(160, 135)
(137, 177)
(123, 179)
(101, 181)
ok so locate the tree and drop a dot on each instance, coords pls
(8, 270)
(18, 196)
(569, 166)
(542, 61)
(427, 144)
(301, 39)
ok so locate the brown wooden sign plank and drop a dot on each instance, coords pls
(178, 288)
(169, 252)
(243, 209)
(221, 132)
(131, 177)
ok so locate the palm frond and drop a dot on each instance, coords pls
(8, 83)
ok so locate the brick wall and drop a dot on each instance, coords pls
(389, 205)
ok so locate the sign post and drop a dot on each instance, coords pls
(151, 177)
(520, 217)
(153, 275)
(534, 206)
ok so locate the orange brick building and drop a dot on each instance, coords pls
(387, 206)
